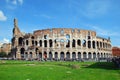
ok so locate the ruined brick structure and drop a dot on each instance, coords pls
(116, 51)
(59, 44)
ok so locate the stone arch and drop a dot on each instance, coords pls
(56, 55)
(97, 44)
(26, 55)
(79, 55)
(62, 56)
(93, 44)
(100, 44)
(98, 55)
(30, 55)
(36, 43)
(94, 55)
(40, 55)
(20, 41)
(50, 55)
(22, 51)
(45, 55)
(73, 43)
(45, 43)
(27, 43)
(36, 50)
(40, 42)
(84, 43)
(84, 55)
(67, 43)
(50, 43)
(73, 55)
(89, 44)
(101, 55)
(33, 42)
(78, 42)
(89, 55)
(68, 55)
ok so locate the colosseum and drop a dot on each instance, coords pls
(59, 44)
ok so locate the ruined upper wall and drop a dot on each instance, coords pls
(65, 31)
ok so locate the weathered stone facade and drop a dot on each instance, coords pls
(59, 44)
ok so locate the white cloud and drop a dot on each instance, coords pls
(6, 40)
(14, 2)
(20, 1)
(2, 16)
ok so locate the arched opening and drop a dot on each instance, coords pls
(45, 55)
(89, 44)
(50, 42)
(36, 50)
(89, 55)
(94, 55)
(26, 55)
(103, 45)
(40, 55)
(93, 44)
(84, 55)
(104, 55)
(62, 31)
(100, 44)
(40, 42)
(84, 43)
(32, 42)
(79, 42)
(73, 43)
(30, 55)
(79, 55)
(101, 55)
(50, 55)
(67, 43)
(36, 43)
(68, 55)
(27, 42)
(62, 56)
(45, 43)
(20, 41)
(22, 50)
(56, 55)
(73, 55)
(97, 44)
(98, 55)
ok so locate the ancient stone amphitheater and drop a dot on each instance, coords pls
(59, 44)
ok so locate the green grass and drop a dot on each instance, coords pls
(34, 70)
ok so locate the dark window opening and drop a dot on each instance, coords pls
(50, 43)
(93, 44)
(79, 42)
(45, 43)
(89, 44)
(68, 43)
(40, 42)
(26, 42)
(73, 43)
(84, 43)
(20, 41)
(36, 43)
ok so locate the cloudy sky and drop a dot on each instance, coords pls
(102, 16)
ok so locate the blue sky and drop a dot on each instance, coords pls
(102, 16)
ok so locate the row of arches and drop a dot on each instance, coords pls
(64, 56)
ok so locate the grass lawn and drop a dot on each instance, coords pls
(35, 70)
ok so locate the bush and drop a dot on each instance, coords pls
(3, 54)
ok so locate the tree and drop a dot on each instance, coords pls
(3, 54)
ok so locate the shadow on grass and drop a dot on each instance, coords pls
(102, 65)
